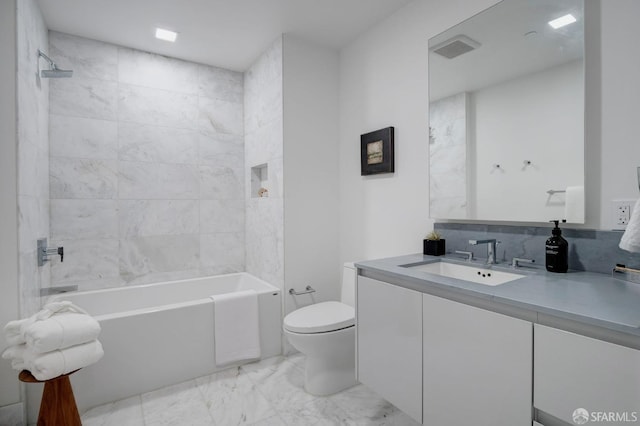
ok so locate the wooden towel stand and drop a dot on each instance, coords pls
(58, 406)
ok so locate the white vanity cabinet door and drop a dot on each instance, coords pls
(573, 371)
(389, 343)
(477, 366)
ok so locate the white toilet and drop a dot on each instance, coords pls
(325, 332)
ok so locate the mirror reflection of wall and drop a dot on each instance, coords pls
(507, 115)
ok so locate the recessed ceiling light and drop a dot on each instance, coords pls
(562, 21)
(166, 35)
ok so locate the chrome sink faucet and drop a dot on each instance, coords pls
(491, 248)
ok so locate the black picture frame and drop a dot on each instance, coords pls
(376, 152)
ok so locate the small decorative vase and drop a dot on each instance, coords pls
(433, 247)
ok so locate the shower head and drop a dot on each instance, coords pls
(53, 71)
(56, 72)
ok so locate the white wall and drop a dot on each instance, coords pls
(383, 82)
(9, 385)
(620, 91)
(549, 105)
(383, 79)
(311, 171)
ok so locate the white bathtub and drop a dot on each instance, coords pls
(160, 334)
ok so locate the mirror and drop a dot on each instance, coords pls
(506, 115)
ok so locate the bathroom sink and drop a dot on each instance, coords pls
(471, 273)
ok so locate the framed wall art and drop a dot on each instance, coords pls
(376, 152)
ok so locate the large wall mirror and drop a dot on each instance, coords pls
(506, 114)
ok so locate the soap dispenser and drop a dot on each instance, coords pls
(557, 250)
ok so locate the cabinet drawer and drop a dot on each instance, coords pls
(573, 371)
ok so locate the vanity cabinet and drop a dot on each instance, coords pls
(477, 366)
(573, 371)
(389, 343)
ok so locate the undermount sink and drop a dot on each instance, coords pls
(474, 274)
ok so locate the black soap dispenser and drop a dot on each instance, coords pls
(557, 251)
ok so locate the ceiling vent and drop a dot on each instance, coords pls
(455, 46)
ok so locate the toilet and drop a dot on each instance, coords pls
(325, 332)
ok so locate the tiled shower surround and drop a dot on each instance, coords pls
(146, 166)
(264, 146)
(33, 154)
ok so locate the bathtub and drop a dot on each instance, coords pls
(160, 334)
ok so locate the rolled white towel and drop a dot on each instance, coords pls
(16, 355)
(60, 331)
(13, 331)
(56, 363)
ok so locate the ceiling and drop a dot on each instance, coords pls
(516, 40)
(226, 33)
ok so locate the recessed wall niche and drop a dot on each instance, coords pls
(259, 181)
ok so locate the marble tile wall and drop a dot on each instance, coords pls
(589, 250)
(146, 166)
(33, 153)
(448, 158)
(263, 123)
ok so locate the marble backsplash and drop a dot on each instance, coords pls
(146, 166)
(589, 250)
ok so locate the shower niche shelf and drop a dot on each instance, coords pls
(259, 181)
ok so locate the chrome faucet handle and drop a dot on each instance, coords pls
(469, 254)
(491, 248)
(517, 260)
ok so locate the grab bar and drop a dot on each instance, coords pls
(555, 191)
(308, 289)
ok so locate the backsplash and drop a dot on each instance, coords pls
(589, 250)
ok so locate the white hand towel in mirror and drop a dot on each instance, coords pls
(630, 240)
(237, 333)
(574, 204)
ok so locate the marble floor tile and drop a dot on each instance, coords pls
(233, 399)
(319, 412)
(283, 387)
(178, 405)
(127, 412)
(365, 407)
(265, 393)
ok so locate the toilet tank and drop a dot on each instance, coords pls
(349, 277)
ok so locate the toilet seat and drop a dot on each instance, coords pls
(320, 318)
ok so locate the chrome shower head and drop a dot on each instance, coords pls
(53, 71)
(56, 72)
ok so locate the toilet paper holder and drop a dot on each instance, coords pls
(308, 290)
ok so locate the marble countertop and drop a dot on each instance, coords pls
(588, 298)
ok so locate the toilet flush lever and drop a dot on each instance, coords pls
(308, 289)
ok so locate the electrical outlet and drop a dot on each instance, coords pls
(620, 214)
